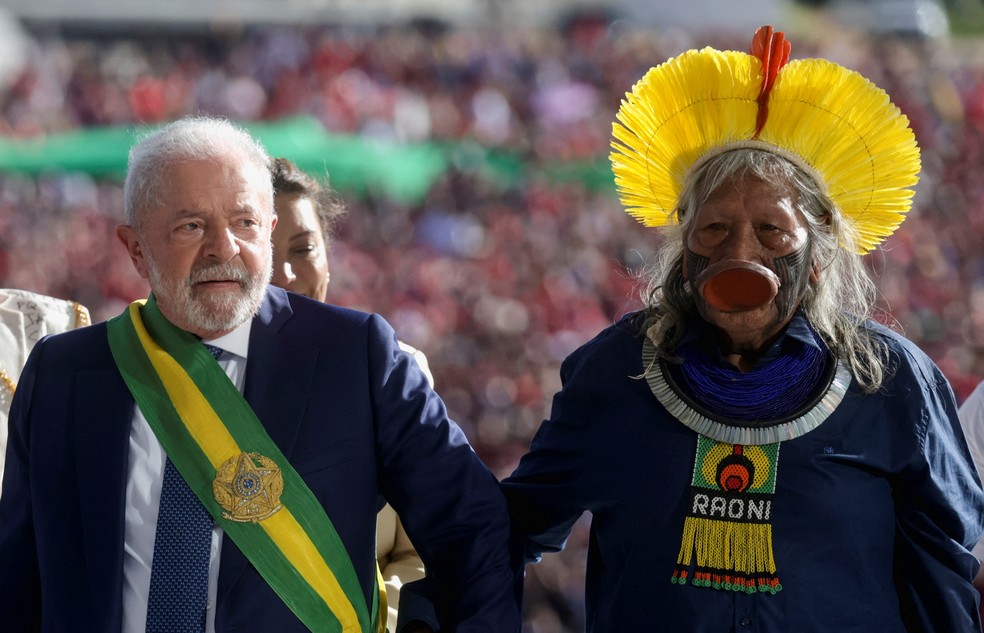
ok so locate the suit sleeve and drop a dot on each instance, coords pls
(939, 513)
(449, 501)
(20, 599)
(546, 492)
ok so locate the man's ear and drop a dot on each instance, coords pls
(134, 247)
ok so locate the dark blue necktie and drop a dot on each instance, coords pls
(179, 574)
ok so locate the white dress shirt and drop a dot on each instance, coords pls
(145, 474)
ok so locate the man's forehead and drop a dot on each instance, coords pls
(230, 166)
(209, 178)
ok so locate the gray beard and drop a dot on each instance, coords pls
(211, 314)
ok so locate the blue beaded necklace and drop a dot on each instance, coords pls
(772, 392)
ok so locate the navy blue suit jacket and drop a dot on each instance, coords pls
(353, 414)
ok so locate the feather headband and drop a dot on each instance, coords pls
(829, 120)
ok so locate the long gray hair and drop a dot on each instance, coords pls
(191, 138)
(836, 306)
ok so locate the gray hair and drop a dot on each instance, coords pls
(190, 138)
(836, 306)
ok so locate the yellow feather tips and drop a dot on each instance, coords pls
(830, 118)
(677, 112)
(848, 130)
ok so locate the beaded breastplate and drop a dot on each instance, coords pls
(741, 418)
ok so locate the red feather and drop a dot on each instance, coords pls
(773, 49)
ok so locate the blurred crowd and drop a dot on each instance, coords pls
(496, 280)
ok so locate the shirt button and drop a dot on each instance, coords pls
(745, 622)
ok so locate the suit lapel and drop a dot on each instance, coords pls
(279, 375)
(102, 419)
(278, 372)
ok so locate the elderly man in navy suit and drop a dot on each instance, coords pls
(212, 459)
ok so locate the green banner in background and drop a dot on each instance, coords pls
(402, 172)
(357, 164)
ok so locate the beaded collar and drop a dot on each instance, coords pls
(785, 399)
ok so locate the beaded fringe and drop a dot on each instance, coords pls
(730, 556)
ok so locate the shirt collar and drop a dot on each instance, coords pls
(797, 331)
(235, 342)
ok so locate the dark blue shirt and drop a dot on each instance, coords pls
(873, 514)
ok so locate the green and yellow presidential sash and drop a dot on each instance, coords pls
(219, 446)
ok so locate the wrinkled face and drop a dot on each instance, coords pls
(300, 258)
(205, 247)
(752, 221)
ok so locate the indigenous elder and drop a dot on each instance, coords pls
(756, 454)
(212, 459)
(306, 214)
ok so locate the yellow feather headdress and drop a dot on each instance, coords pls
(828, 119)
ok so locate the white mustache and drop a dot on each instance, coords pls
(220, 272)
